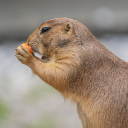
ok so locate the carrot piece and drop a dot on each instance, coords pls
(26, 46)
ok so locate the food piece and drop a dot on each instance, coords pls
(26, 46)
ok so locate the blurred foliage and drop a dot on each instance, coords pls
(41, 90)
(4, 111)
(44, 122)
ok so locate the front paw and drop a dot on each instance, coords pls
(24, 56)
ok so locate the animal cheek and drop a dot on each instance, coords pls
(61, 42)
(47, 43)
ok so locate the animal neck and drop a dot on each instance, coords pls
(94, 72)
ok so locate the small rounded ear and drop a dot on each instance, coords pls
(68, 27)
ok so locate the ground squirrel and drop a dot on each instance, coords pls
(76, 64)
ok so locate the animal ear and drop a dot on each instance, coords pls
(68, 27)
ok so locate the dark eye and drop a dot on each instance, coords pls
(45, 29)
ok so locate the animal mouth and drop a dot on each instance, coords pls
(44, 57)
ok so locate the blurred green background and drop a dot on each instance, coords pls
(25, 100)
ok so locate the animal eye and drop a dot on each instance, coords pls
(45, 29)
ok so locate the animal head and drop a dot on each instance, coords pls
(59, 37)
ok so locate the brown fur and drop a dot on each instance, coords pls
(75, 63)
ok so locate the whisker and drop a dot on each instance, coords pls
(37, 19)
(41, 14)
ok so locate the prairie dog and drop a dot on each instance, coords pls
(76, 64)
